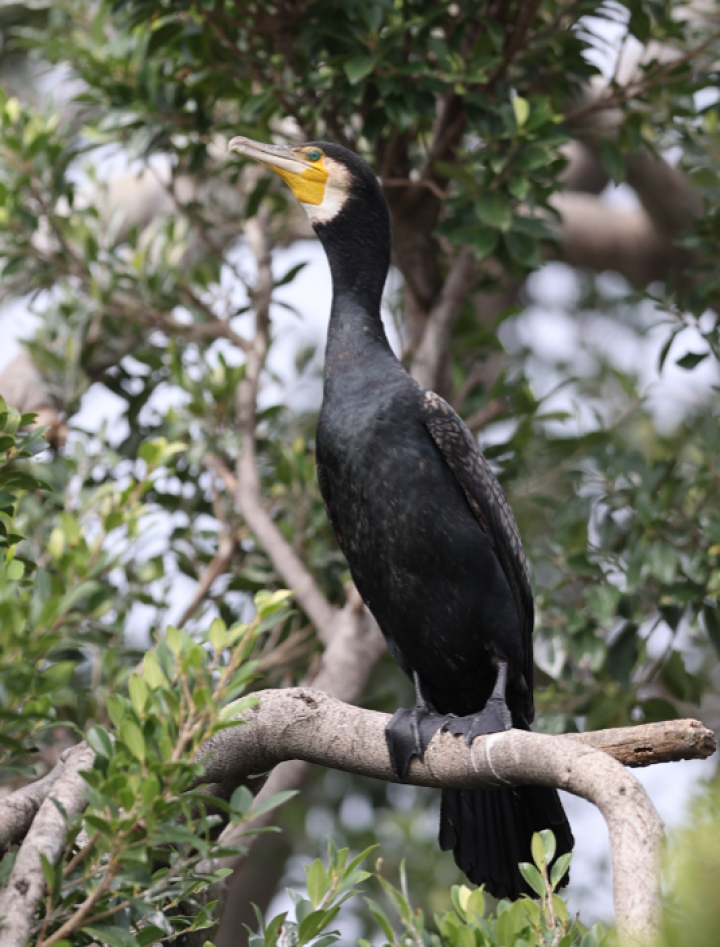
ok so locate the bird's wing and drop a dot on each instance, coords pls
(489, 506)
(326, 493)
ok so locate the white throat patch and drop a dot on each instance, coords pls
(337, 192)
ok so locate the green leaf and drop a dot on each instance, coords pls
(523, 249)
(111, 934)
(99, 740)
(132, 737)
(358, 68)
(533, 878)
(272, 931)
(381, 919)
(174, 640)
(612, 159)
(359, 858)
(311, 925)
(476, 903)
(667, 346)
(640, 24)
(56, 543)
(560, 868)
(657, 709)
(547, 837)
(268, 603)
(116, 707)
(152, 673)
(49, 872)
(661, 560)
(677, 679)
(519, 188)
(273, 802)
(15, 570)
(521, 108)
(318, 882)
(291, 274)
(689, 361)
(495, 209)
(217, 634)
(623, 653)
(538, 850)
(138, 694)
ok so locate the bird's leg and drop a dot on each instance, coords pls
(493, 718)
(410, 731)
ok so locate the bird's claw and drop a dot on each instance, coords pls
(408, 735)
(493, 718)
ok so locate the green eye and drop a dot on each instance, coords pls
(314, 154)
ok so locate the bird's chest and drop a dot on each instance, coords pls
(394, 504)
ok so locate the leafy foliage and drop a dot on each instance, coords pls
(619, 515)
(691, 863)
(467, 924)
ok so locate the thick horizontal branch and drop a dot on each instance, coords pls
(303, 723)
(300, 723)
(665, 742)
(307, 724)
(599, 237)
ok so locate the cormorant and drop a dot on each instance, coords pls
(430, 538)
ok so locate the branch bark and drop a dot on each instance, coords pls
(25, 887)
(306, 724)
(599, 237)
(433, 350)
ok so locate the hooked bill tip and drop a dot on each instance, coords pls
(237, 144)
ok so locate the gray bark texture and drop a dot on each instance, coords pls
(25, 888)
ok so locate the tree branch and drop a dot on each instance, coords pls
(354, 649)
(218, 565)
(306, 724)
(665, 742)
(431, 354)
(19, 808)
(300, 723)
(599, 237)
(25, 887)
(248, 494)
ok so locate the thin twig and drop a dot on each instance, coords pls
(248, 494)
(632, 90)
(486, 415)
(217, 566)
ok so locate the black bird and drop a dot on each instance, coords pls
(430, 538)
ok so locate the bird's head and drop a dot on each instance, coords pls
(324, 177)
(345, 204)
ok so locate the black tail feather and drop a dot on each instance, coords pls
(490, 831)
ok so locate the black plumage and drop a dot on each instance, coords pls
(431, 541)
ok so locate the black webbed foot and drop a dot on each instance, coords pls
(410, 731)
(493, 718)
(408, 735)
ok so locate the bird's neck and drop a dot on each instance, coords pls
(358, 252)
(359, 259)
(355, 333)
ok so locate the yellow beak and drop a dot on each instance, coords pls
(305, 178)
